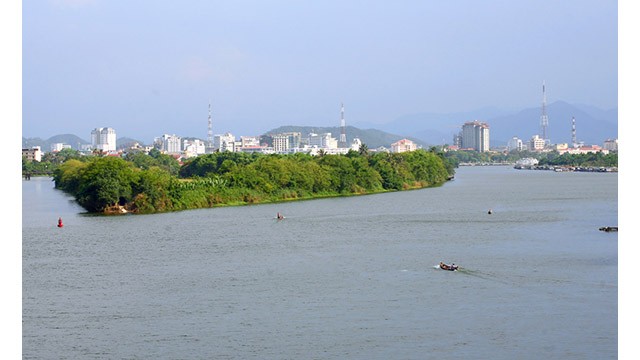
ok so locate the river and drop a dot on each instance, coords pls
(339, 278)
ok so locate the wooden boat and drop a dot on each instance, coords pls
(451, 267)
(609, 228)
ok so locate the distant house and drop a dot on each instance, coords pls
(33, 154)
(403, 145)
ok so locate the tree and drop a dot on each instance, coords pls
(105, 182)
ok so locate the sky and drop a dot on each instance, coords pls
(147, 68)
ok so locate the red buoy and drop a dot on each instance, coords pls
(60, 224)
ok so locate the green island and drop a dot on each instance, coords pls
(150, 183)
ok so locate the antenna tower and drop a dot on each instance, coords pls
(210, 129)
(544, 119)
(343, 128)
(574, 140)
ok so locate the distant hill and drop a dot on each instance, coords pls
(45, 145)
(371, 137)
(593, 125)
(125, 142)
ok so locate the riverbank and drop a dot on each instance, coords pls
(564, 168)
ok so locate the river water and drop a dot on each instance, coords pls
(341, 278)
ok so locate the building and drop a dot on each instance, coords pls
(225, 142)
(356, 144)
(537, 143)
(585, 149)
(514, 144)
(192, 148)
(55, 147)
(280, 143)
(249, 141)
(103, 139)
(170, 144)
(610, 144)
(322, 141)
(475, 135)
(33, 154)
(403, 146)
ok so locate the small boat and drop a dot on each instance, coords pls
(452, 267)
(609, 228)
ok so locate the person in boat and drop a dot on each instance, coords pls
(280, 217)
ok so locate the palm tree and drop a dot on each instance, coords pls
(363, 150)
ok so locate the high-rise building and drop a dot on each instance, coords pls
(514, 144)
(171, 144)
(103, 139)
(475, 135)
(610, 144)
(536, 143)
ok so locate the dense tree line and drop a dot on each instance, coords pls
(583, 160)
(544, 158)
(150, 183)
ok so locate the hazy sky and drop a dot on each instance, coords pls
(146, 68)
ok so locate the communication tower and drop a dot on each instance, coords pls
(544, 119)
(210, 129)
(343, 128)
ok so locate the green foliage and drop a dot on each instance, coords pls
(583, 160)
(146, 186)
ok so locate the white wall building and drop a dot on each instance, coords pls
(103, 139)
(355, 144)
(403, 146)
(170, 144)
(224, 142)
(475, 135)
(55, 147)
(536, 143)
(249, 141)
(322, 141)
(193, 148)
(281, 143)
(514, 144)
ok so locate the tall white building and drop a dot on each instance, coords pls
(281, 143)
(537, 143)
(514, 144)
(103, 139)
(475, 135)
(170, 144)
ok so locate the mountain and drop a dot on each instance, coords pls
(45, 145)
(373, 138)
(593, 125)
(125, 142)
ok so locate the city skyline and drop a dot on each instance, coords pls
(144, 66)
